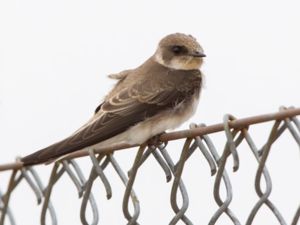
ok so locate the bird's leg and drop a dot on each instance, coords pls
(155, 140)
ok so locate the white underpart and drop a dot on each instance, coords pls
(178, 64)
(140, 133)
(143, 131)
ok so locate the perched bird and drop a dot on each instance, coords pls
(159, 95)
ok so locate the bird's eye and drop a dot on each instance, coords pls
(177, 49)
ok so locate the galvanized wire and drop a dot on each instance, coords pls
(196, 138)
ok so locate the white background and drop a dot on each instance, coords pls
(54, 58)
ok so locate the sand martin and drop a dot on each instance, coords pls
(159, 95)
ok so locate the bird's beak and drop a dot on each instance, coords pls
(198, 54)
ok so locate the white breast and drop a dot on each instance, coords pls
(166, 120)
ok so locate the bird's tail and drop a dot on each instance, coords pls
(42, 156)
(61, 148)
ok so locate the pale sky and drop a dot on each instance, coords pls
(55, 57)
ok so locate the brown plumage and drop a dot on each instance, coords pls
(141, 101)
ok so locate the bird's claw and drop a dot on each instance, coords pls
(155, 140)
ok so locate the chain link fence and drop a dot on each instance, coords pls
(196, 138)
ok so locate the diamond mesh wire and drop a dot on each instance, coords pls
(198, 137)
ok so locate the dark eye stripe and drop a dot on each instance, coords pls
(177, 49)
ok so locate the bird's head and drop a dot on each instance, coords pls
(179, 51)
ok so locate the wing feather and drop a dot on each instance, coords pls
(123, 110)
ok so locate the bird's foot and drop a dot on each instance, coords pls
(155, 140)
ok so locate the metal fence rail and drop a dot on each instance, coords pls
(236, 131)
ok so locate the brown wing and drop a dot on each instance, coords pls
(123, 110)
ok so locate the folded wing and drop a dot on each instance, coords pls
(123, 110)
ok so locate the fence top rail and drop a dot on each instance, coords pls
(236, 124)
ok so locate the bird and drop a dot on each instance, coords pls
(158, 95)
